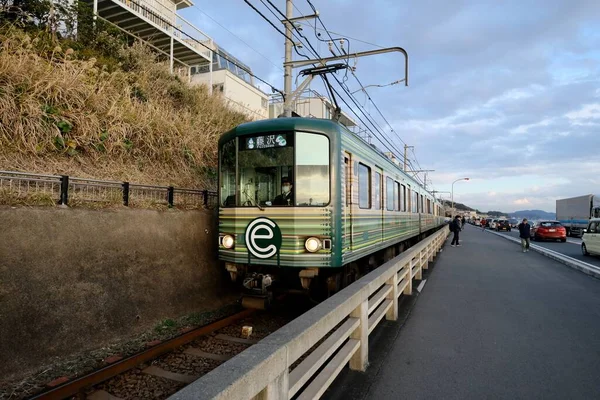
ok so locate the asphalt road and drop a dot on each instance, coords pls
(571, 248)
(491, 323)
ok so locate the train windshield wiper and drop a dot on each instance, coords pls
(251, 202)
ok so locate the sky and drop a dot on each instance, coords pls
(506, 93)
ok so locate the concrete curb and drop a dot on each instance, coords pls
(568, 261)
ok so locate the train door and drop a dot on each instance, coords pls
(348, 230)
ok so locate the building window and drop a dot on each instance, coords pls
(218, 88)
(364, 186)
(264, 103)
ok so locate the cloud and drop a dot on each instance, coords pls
(505, 93)
(521, 202)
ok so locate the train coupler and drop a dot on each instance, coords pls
(257, 284)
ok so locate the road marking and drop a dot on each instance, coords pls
(421, 285)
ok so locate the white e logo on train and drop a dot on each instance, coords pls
(263, 238)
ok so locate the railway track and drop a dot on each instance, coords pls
(166, 367)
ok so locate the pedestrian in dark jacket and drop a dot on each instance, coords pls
(455, 228)
(524, 234)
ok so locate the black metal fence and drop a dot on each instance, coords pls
(27, 188)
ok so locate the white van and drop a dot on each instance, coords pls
(591, 238)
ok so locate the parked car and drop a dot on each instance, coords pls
(503, 225)
(514, 223)
(591, 238)
(493, 223)
(549, 230)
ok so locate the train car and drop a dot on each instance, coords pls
(306, 198)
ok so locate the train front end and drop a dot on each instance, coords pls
(275, 204)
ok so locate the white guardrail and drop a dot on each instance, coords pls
(304, 357)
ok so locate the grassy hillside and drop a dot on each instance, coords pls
(103, 108)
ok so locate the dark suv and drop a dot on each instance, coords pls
(503, 225)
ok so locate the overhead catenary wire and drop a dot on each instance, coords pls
(181, 31)
(380, 135)
(315, 53)
(360, 83)
(238, 38)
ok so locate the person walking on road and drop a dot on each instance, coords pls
(455, 228)
(524, 234)
(483, 222)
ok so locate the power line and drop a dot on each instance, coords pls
(237, 37)
(356, 77)
(246, 69)
(373, 123)
(343, 35)
(275, 27)
(268, 20)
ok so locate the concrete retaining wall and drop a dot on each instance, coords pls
(73, 280)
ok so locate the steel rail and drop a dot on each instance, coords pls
(75, 386)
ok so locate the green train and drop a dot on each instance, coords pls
(307, 198)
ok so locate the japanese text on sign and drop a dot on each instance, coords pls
(266, 142)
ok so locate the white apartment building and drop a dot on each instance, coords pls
(230, 77)
(157, 23)
(191, 52)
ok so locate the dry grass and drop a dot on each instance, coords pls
(63, 114)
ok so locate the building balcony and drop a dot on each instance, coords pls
(157, 23)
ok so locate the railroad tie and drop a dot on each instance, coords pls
(156, 371)
(199, 353)
(236, 339)
(102, 395)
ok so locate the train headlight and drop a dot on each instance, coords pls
(312, 244)
(227, 241)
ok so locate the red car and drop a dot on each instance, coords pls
(549, 230)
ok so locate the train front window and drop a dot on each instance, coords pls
(228, 186)
(312, 169)
(266, 165)
(275, 170)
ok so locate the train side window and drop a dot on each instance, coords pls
(402, 198)
(364, 186)
(377, 190)
(389, 186)
(415, 202)
(408, 199)
(396, 196)
(422, 204)
(347, 180)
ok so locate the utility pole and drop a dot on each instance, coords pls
(406, 147)
(287, 77)
(289, 64)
